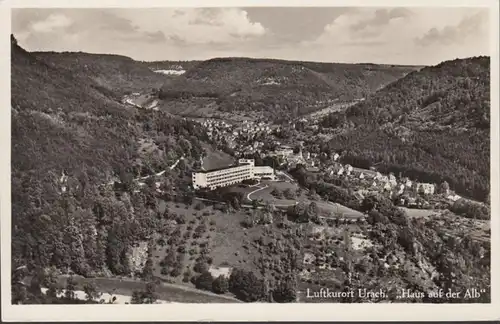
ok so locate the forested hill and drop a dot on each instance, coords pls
(69, 136)
(433, 125)
(278, 88)
(116, 73)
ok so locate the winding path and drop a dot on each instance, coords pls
(251, 193)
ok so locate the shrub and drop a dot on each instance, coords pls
(176, 271)
(181, 219)
(220, 285)
(204, 281)
(201, 266)
(246, 286)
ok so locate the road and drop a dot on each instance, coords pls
(259, 189)
(156, 174)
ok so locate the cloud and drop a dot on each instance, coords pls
(390, 35)
(196, 25)
(418, 35)
(53, 22)
(380, 17)
(292, 25)
(364, 25)
(469, 26)
(181, 27)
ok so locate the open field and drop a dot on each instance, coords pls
(263, 191)
(415, 212)
(166, 292)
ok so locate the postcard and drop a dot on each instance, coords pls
(250, 160)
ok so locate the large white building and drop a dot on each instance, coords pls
(223, 177)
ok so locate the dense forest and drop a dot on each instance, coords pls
(70, 140)
(278, 88)
(118, 74)
(432, 125)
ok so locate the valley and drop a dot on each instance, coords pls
(381, 178)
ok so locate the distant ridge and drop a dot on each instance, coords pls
(274, 88)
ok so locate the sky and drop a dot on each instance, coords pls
(396, 35)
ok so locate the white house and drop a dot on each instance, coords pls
(392, 180)
(427, 188)
(408, 183)
(454, 197)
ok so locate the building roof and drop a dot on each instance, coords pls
(205, 170)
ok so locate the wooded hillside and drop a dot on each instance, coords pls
(432, 125)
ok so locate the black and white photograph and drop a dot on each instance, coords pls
(251, 155)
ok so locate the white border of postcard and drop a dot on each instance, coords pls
(255, 311)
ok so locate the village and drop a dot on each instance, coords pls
(262, 139)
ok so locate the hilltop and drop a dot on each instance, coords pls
(272, 88)
(432, 125)
(120, 75)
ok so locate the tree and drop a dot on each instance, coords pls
(311, 212)
(147, 272)
(49, 280)
(277, 193)
(294, 212)
(369, 203)
(91, 292)
(444, 188)
(289, 194)
(147, 296)
(220, 285)
(70, 288)
(286, 291)
(200, 266)
(204, 281)
(246, 286)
